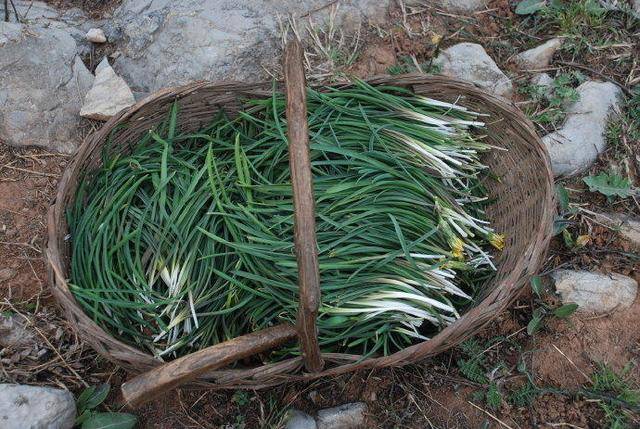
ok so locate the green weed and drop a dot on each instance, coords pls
(543, 310)
(618, 398)
(549, 103)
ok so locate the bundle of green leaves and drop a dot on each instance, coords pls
(188, 240)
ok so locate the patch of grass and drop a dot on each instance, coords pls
(619, 398)
(575, 17)
(627, 124)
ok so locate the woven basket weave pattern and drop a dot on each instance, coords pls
(523, 211)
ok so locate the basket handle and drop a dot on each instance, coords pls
(304, 205)
(150, 384)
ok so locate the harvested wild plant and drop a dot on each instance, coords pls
(188, 240)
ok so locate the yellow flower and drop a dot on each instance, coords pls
(457, 248)
(497, 240)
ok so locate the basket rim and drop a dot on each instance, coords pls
(494, 302)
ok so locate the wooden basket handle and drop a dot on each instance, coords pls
(304, 205)
(170, 375)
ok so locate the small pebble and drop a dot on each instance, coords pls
(96, 35)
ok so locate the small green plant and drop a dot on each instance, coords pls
(549, 102)
(474, 367)
(493, 396)
(617, 397)
(610, 185)
(240, 397)
(544, 310)
(563, 220)
(565, 210)
(524, 396)
(89, 418)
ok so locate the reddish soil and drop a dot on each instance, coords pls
(28, 180)
(567, 355)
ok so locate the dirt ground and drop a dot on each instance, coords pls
(559, 361)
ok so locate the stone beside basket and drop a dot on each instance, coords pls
(523, 211)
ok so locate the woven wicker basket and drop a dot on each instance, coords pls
(523, 212)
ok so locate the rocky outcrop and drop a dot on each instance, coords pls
(581, 138)
(42, 87)
(469, 61)
(166, 43)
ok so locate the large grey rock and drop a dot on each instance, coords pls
(42, 85)
(469, 61)
(626, 225)
(109, 94)
(595, 292)
(165, 43)
(581, 138)
(299, 420)
(31, 407)
(347, 416)
(40, 14)
(540, 56)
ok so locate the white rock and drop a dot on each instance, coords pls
(469, 61)
(542, 79)
(540, 56)
(626, 225)
(595, 292)
(96, 35)
(299, 420)
(32, 407)
(581, 138)
(464, 5)
(347, 416)
(108, 95)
